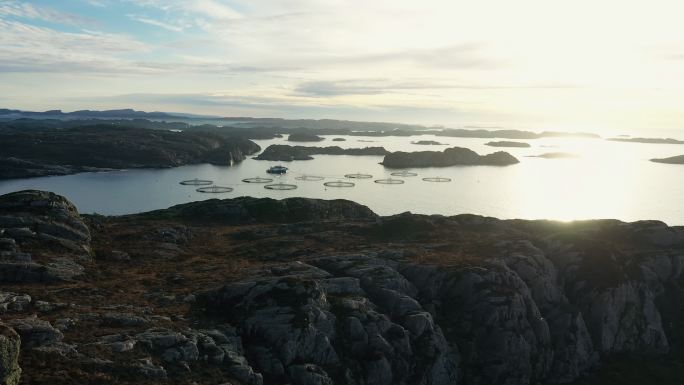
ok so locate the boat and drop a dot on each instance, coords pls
(277, 170)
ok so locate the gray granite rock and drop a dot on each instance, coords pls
(35, 332)
(10, 344)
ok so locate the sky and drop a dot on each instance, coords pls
(543, 64)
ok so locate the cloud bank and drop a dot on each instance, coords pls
(530, 62)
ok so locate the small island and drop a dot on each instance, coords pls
(555, 155)
(429, 143)
(512, 134)
(647, 140)
(286, 153)
(455, 156)
(304, 137)
(506, 143)
(339, 140)
(679, 159)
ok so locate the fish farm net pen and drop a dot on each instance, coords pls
(437, 179)
(311, 178)
(389, 181)
(404, 173)
(358, 176)
(214, 189)
(257, 179)
(339, 183)
(196, 182)
(280, 186)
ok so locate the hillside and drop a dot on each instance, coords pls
(304, 291)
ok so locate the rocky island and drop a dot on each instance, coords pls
(305, 291)
(455, 156)
(428, 143)
(512, 134)
(679, 159)
(648, 140)
(304, 137)
(57, 151)
(283, 152)
(506, 143)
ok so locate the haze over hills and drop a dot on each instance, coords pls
(126, 113)
(327, 126)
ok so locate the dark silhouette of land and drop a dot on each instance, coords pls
(455, 156)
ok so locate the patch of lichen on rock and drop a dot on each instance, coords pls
(10, 343)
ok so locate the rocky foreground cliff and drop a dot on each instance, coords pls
(31, 152)
(302, 291)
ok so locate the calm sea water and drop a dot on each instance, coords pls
(607, 180)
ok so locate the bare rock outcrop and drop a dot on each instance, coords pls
(305, 291)
(30, 219)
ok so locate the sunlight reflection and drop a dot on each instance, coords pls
(590, 186)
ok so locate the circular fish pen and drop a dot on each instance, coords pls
(214, 190)
(389, 181)
(404, 173)
(196, 182)
(437, 179)
(310, 178)
(280, 186)
(358, 176)
(257, 179)
(339, 183)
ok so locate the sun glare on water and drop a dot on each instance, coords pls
(594, 181)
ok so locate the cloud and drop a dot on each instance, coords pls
(212, 9)
(222, 104)
(98, 3)
(156, 23)
(676, 56)
(29, 48)
(333, 88)
(329, 88)
(242, 100)
(337, 55)
(24, 10)
(467, 55)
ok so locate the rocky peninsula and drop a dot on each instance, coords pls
(555, 155)
(305, 291)
(57, 151)
(679, 159)
(648, 140)
(285, 153)
(455, 156)
(512, 134)
(506, 143)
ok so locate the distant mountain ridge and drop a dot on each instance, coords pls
(126, 113)
(266, 128)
